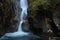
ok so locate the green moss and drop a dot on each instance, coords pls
(9, 1)
(37, 3)
(33, 5)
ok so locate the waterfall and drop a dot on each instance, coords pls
(24, 6)
(23, 14)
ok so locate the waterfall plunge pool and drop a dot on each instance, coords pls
(20, 34)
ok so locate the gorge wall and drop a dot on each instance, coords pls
(41, 13)
(9, 16)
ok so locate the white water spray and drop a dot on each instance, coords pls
(24, 6)
(23, 14)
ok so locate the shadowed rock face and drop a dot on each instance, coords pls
(10, 12)
(9, 16)
(41, 18)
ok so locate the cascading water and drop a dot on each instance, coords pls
(23, 14)
(20, 35)
(24, 6)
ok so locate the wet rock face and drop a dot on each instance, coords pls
(41, 17)
(9, 16)
(36, 18)
(36, 21)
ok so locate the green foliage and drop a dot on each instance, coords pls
(40, 2)
(51, 5)
(37, 3)
(9, 1)
(1, 4)
(46, 4)
(54, 4)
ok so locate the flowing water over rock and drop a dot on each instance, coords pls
(20, 34)
(24, 6)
